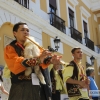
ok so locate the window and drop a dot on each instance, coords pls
(52, 6)
(85, 29)
(89, 43)
(71, 17)
(55, 20)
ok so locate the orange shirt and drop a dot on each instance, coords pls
(14, 62)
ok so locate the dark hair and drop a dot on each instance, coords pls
(1, 70)
(89, 70)
(74, 49)
(1, 79)
(16, 26)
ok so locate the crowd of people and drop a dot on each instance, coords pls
(70, 79)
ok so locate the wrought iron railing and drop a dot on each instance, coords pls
(57, 22)
(75, 34)
(89, 43)
(24, 3)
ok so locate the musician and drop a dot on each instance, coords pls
(25, 87)
(57, 84)
(74, 76)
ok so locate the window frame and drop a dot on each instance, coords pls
(73, 9)
(71, 17)
(88, 33)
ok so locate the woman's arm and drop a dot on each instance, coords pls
(3, 90)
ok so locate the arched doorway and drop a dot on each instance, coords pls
(5, 36)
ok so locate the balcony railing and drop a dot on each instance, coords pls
(24, 3)
(76, 34)
(57, 22)
(89, 43)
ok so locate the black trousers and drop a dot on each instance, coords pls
(95, 98)
(83, 99)
(56, 96)
(45, 92)
(24, 91)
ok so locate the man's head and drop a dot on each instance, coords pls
(77, 53)
(20, 31)
(90, 71)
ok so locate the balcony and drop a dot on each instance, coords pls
(76, 34)
(24, 3)
(57, 22)
(89, 43)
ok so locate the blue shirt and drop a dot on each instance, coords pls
(93, 85)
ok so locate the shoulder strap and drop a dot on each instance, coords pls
(71, 64)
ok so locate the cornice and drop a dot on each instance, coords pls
(98, 15)
(85, 12)
(87, 3)
(94, 5)
(74, 2)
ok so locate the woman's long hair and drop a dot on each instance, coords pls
(1, 73)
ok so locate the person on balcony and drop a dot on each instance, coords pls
(26, 87)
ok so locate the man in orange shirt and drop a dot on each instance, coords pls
(25, 87)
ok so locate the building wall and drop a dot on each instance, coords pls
(43, 5)
(33, 0)
(98, 20)
(67, 56)
(95, 31)
(97, 77)
(78, 16)
(63, 11)
(46, 40)
(92, 24)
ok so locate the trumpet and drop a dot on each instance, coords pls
(62, 62)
